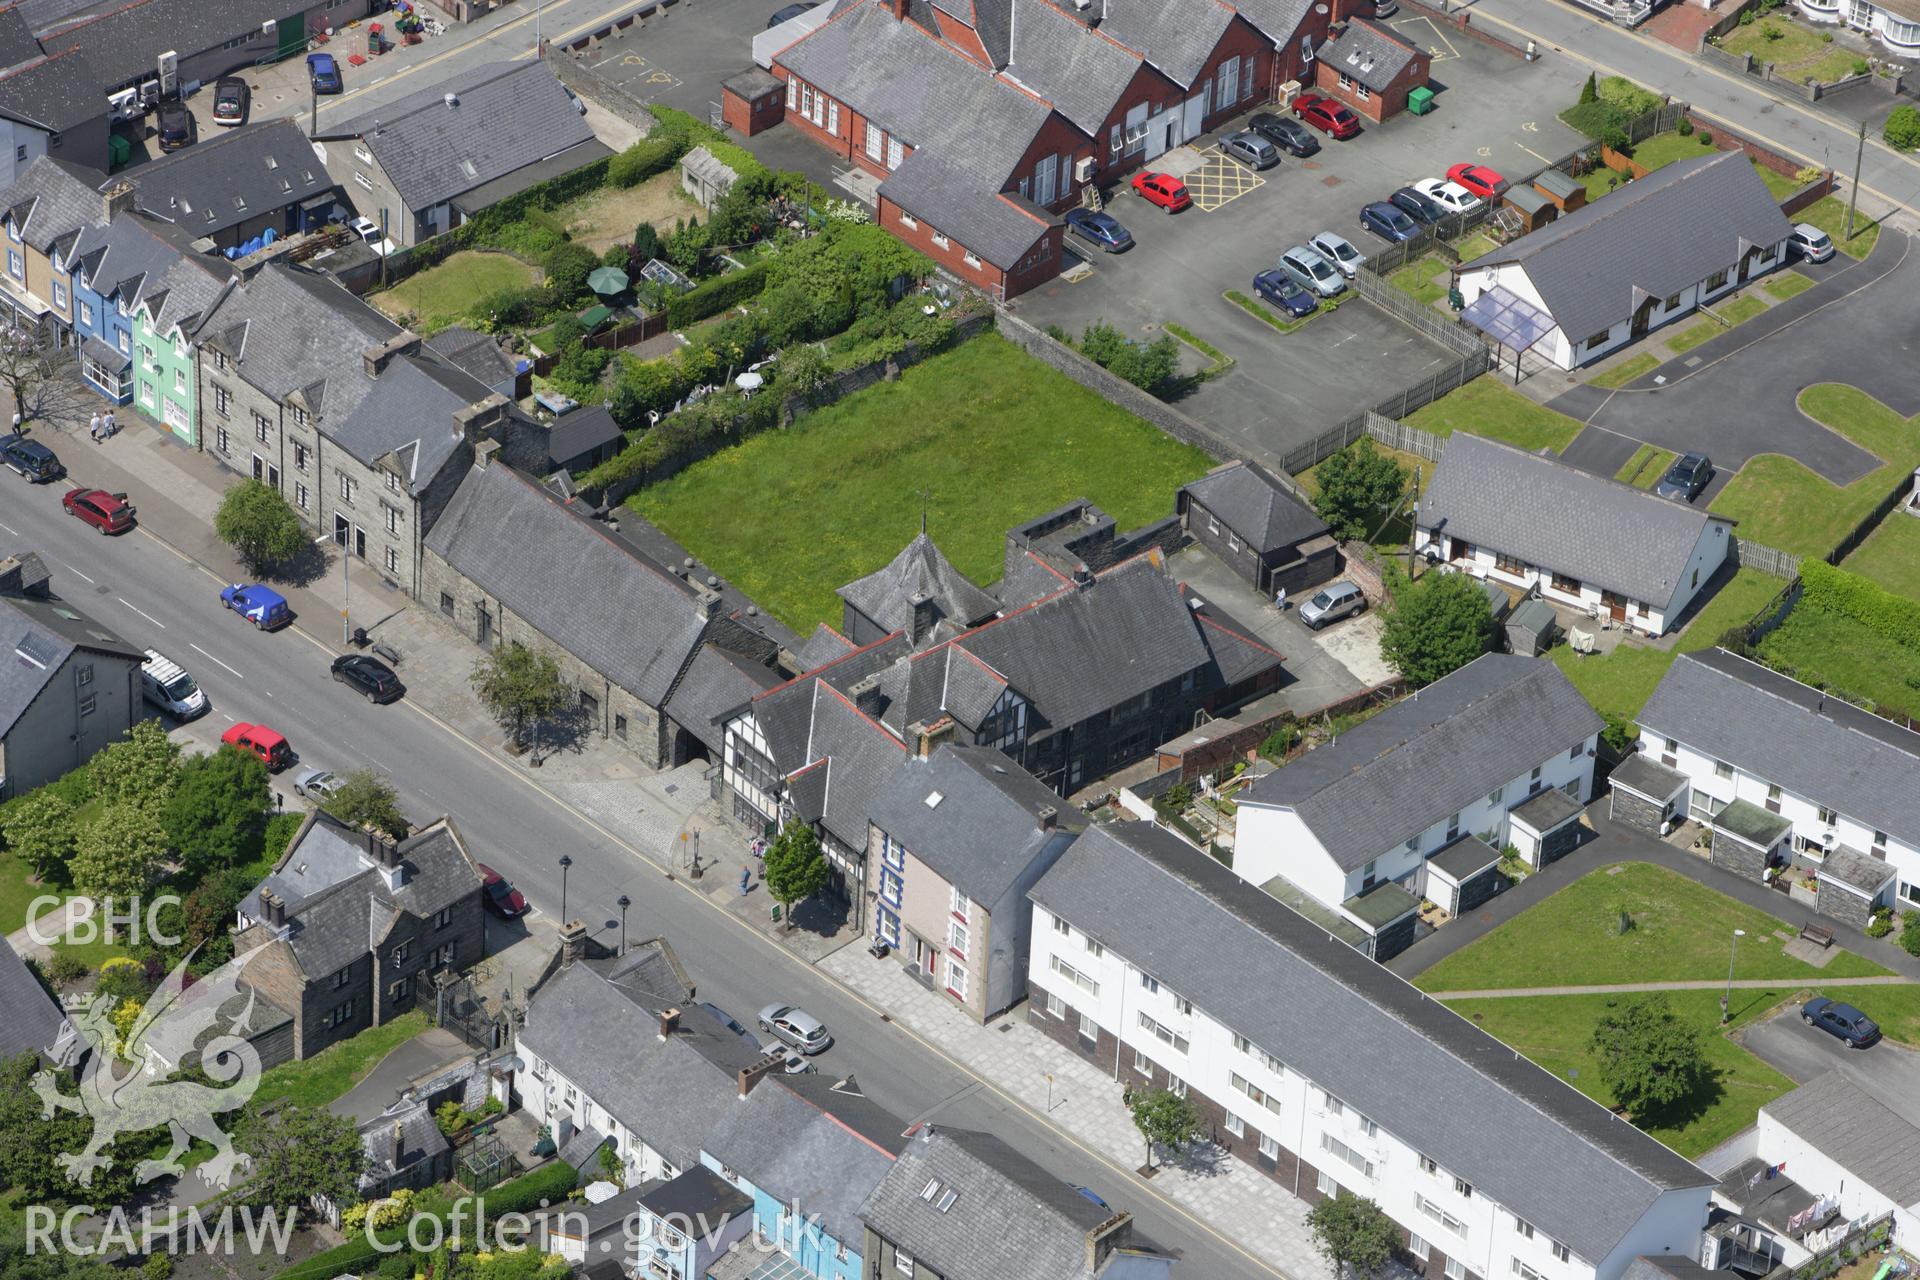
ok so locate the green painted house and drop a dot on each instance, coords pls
(165, 376)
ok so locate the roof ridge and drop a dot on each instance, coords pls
(854, 707)
(1580, 473)
(807, 675)
(1242, 637)
(1676, 173)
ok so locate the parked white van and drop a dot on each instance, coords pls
(168, 687)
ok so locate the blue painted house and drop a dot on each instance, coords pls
(115, 265)
(808, 1153)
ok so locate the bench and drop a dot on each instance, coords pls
(1817, 933)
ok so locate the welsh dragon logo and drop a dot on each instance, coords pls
(125, 1087)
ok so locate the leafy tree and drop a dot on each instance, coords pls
(1165, 1118)
(1102, 343)
(301, 1152)
(1357, 487)
(1650, 1057)
(218, 810)
(1150, 367)
(1590, 91)
(1353, 1232)
(39, 830)
(688, 244)
(30, 1144)
(567, 266)
(1435, 626)
(518, 684)
(646, 244)
(259, 525)
(141, 769)
(1902, 129)
(119, 853)
(795, 867)
(368, 797)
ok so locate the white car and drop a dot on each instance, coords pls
(1450, 196)
(1338, 250)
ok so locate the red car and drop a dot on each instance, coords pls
(1162, 189)
(1478, 179)
(500, 897)
(1326, 115)
(258, 740)
(107, 512)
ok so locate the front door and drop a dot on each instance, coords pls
(482, 625)
(360, 542)
(1643, 313)
(1615, 605)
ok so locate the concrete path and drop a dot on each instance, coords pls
(51, 926)
(1739, 984)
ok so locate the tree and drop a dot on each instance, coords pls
(31, 1143)
(1353, 1231)
(1649, 1056)
(218, 810)
(1902, 129)
(646, 245)
(1435, 626)
(140, 769)
(39, 830)
(1165, 1118)
(1357, 487)
(1151, 367)
(568, 265)
(1590, 91)
(31, 363)
(518, 684)
(301, 1152)
(795, 867)
(368, 797)
(119, 853)
(259, 525)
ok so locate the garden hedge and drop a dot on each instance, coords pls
(1830, 590)
(716, 295)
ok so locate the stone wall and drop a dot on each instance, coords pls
(1396, 937)
(1480, 888)
(1847, 908)
(1738, 857)
(1559, 844)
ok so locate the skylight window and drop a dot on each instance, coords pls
(934, 798)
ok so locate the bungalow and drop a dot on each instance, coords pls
(1576, 538)
(1843, 1142)
(1895, 23)
(1601, 276)
(1778, 769)
(1244, 514)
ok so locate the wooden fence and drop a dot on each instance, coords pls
(1757, 555)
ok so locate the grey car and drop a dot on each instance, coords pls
(1686, 477)
(1338, 250)
(1331, 603)
(796, 1027)
(1312, 272)
(1250, 149)
(317, 784)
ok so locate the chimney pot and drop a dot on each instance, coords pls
(117, 199)
(749, 1076)
(276, 908)
(669, 1022)
(1048, 816)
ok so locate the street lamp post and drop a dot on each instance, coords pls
(566, 860)
(1733, 950)
(625, 902)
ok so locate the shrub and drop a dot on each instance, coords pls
(524, 240)
(1882, 923)
(1910, 933)
(716, 295)
(1902, 130)
(1685, 127)
(1808, 173)
(1276, 744)
(1892, 617)
(1618, 91)
(156, 1266)
(567, 266)
(1616, 138)
(61, 968)
(1590, 91)
(1706, 138)
(1860, 66)
(646, 243)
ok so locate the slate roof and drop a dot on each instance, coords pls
(716, 682)
(289, 329)
(1080, 70)
(49, 202)
(187, 293)
(36, 637)
(124, 257)
(1536, 1145)
(1849, 1126)
(1176, 38)
(985, 833)
(34, 1023)
(57, 94)
(1816, 746)
(1255, 505)
(697, 1194)
(1368, 53)
(17, 44)
(1571, 522)
(1642, 774)
(1010, 1219)
(1279, 19)
(227, 179)
(785, 712)
(852, 756)
(998, 227)
(822, 647)
(507, 115)
(886, 594)
(1430, 755)
(479, 355)
(123, 42)
(398, 1139)
(409, 411)
(625, 617)
(1656, 236)
(585, 429)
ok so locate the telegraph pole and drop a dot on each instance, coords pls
(1853, 196)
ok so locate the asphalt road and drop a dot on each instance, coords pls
(153, 596)
(1886, 1071)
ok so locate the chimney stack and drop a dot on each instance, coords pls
(669, 1021)
(573, 943)
(925, 614)
(1114, 1233)
(376, 358)
(484, 451)
(1082, 575)
(1048, 817)
(276, 908)
(926, 738)
(867, 696)
(899, 10)
(116, 199)
(749, 1076)
(477, 420)
(25, 576)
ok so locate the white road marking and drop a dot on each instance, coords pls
(143, 613)
(13, 532)
(75, 572)
(210, 658)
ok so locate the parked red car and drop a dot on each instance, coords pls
(501, 897)
(1326, 115)
(107, 512)
(258, 740)
(1162, 189)
(1478, 179)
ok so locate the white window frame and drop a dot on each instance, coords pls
(876, 141)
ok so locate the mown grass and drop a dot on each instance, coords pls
(1488, 407)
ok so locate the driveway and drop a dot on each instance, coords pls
(1889, 1072)
(423, 1055)
(1316, 676)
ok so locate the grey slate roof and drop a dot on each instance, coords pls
(409, 411)
(698, 1194)
(1278, 20)
(1657, 236)
(1251, 502)
(886, 594)
(232, 177)
(1430, 755)
(123, 41)
(50, 630)
(33, 1022)
(1368, 53)
(1080, 70)
(49, 201)
(187, 294)
(57, 94)
(1572, 522)
(17, 44)
(1849, 1126)
(124, 257)
(822, 647)
(1829, 751)
(998, 227)
(1010, 1220)
(1176, 38)
(1548, 810)
(1534, 1143)
(289, 329)
(398, 1139)
(985, 833)
(585, 429)
(506, 115)
(716, 682)
(480, 356)
(1643, 775)
(625, 617)
(852, 758)
(785, 712)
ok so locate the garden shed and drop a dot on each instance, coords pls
(705, 177)
(1529, 628)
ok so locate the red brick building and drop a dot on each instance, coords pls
(1371, 69)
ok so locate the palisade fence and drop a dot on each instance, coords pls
(1757, 555)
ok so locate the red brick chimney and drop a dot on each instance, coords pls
(899, 10)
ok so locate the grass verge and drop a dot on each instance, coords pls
(1829, 213)
(1891, 556)
(1836, 652)
(334, 1070)
(1644, 469)
(1627, 370)
(1221, 362)
(1488, 407)
(1787, 284)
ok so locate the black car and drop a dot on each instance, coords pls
(1842, 1021)
(788, 14)
(232, 100)
(31, 459)
(1285, 132)
(1388, 221)
(1250, 149)
(1103, 229)
(370, 676)
(176, 126)
(1419, 207)
(1686, 477)
(1284, 292)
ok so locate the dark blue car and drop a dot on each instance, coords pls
(1841, 1021)
(1103, 229)
(323, 73)
(1284, 292)
(264, 607)
(1388, 221)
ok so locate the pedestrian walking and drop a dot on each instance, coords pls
(108, 426)
(93, 426)
(746, 878)
(1280, 599)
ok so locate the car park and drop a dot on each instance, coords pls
(796, 1027)
(1286, 293)
(1842, 1021)
(1100, 229)
(31, 459)
(1289, 135)
(1450, 196)
(1331, 603)
(1311, 271)
(1388, 221)
(1478, 179)
(1810, 242)
(107, 512)
(1338, 250)
(1250, 149)
(264, 744)
(167, 686)
(176, 126)
(323, 73)
(498, 894)
(232, 101)
(1418, 206)
(1685, 479)
(370, 676)
(788, 14)
(1327, 115)
(1162, 189)
(317, 784)
(264, 607)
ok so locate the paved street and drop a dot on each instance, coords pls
(1887, 1071)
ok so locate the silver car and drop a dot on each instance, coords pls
(796, 1027)
(317, 784)
(1312, 272)
(1338, 250)
(1331, 603)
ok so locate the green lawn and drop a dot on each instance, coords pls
(1782, 504)
(1646, 466)
(1620, 683)
(1627, 370)
(1556, 1032)
(18, 889)
(445, 294)
(1740, 310)
(1693, 335)
(1787, 284)
(334, 1070)
(1488, 407)
(1724, 317)
(990, 435)
(1836, 652)
(1662, 149)
(1829, 213)
(1476, 245)
(1797, 51)
(1896, 1009)
(1891, 555)
(1681, 930)
(1427, 279)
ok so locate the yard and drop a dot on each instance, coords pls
(1891, 556)
(984, 436)
(1395, 534)
(1427, 279)
(606, 217)
(1488, 407)
(1662, 149)
(1722, 317)
(1798, 52)
(1836, 652)
(1782, 504)
(448, 293)
(1634, 366)
(1829, 213)
(1787, 284)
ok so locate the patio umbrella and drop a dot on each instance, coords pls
(607, 281)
